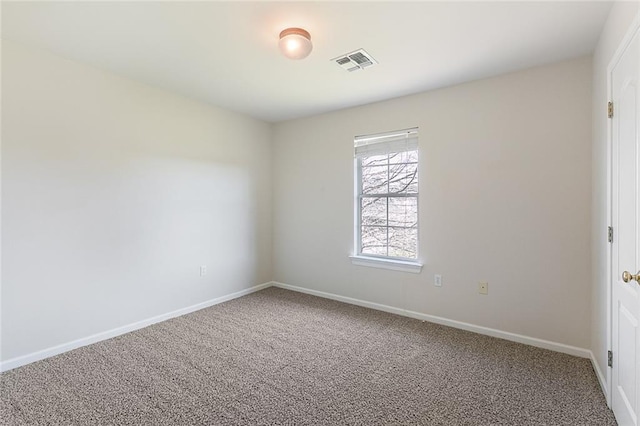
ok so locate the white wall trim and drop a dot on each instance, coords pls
(98, 337)
(392, 264)
(626, 40)
(601, 377)
(532, 341)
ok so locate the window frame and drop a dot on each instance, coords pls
(405, 264)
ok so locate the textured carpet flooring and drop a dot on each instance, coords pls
(279, 357)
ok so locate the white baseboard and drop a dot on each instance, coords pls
(601, 378)
(532, 341)
(65, 347)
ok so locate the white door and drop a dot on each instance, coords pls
(625, 265)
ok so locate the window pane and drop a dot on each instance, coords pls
(374, 240)
(374, 211)
(403, 242)
(374, 180)
(403, 211)
(406, 157)
(395, 158)
(375, 160)
(403, 157)
(403, 178)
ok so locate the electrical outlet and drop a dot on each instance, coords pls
(203, 270)
(483, 287)
(437, 280)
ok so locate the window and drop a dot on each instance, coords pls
(387, 195)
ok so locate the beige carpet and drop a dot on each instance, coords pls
(279, 357)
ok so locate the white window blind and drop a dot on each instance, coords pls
(382, 143)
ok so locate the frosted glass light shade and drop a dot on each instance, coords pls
(295, 43)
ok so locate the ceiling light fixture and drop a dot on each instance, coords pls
(295, 43)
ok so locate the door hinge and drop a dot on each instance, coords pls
(610, 234)
(610, 109)
(610, 358)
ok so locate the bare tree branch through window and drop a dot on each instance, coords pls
(388, 204)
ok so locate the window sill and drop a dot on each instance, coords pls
(392, 264)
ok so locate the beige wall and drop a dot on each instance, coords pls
(114, 193)
(505, 196)
(620, 17)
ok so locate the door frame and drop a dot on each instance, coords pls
(622, 46)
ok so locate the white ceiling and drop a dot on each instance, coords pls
(226, 53)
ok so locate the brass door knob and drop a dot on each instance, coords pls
(628, 276)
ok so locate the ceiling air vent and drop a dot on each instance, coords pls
(354, 61)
